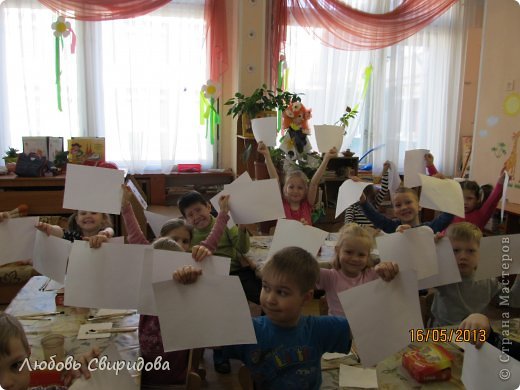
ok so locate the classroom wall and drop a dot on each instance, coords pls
(498, 102)
(246, 43)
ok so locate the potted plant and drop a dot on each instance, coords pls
(60, 160)
(11, 155)
(348, 114)
(262, 102)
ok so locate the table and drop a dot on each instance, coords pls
(392, 375)
(260, 245)
(31, 300)
(43, 195)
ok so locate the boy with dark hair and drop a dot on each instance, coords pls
(232, 243)
(290, 346)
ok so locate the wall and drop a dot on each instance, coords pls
(499, 83)
(246, 20)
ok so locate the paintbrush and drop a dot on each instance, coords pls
(113, 330)
(110, 316)
(37, 315)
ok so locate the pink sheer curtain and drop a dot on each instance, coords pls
(216, 37)
(97, 10)
(343, 27)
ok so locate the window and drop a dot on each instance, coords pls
(413, 98)
(135, 82)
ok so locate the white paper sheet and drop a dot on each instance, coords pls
(137, 194)
(93, 189)
(414, 247)
(264, 129)
(159, 266)
(498, 254)
(371, 312)
(364, 378)
(442, 194)
(334, 355)
(414, 164)
(504, 197)
(107, 277)
(156, 221)
(328, 137)
(293, 233)
(394, 180)
(50, 256)
(84, 330)
(107, 379)
(448, 269)
(243, 178)
(17, 237)
(200, 314)
(482, 369)
(257, 201)
(349, 193)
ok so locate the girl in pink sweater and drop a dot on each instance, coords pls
(352, 266)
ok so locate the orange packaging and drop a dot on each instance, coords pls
(430, 362)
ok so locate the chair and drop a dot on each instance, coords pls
(194, 376)
(244, 378)
(425, 302)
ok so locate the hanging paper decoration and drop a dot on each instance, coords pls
(62, 29)
(209, 94)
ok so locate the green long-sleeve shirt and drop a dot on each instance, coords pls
(232, 243)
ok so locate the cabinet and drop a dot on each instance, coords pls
(156, 186)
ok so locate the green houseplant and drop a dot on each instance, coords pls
(11, 155)
(262, 99)
(261, 103)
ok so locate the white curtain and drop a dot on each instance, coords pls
(135, 82)
(414, 95)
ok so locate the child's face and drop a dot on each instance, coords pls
(294, 190)
(181, 236)
(11, 378)
(353, 255)
(282, 301)
(406, 208)
(467, 255)
(470, 200)
(198, 215)
(89, 222)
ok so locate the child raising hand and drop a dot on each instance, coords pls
(90, 226)
(299, 195)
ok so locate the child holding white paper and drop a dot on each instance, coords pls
(454, 302)
(352, 266)
(355, 214)
(478, 207)
(299, 195)
(90, 226)
(14, 349)
(176, 235)
(406, 209)
(176, 229)
(232, 243)
(289, 346)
